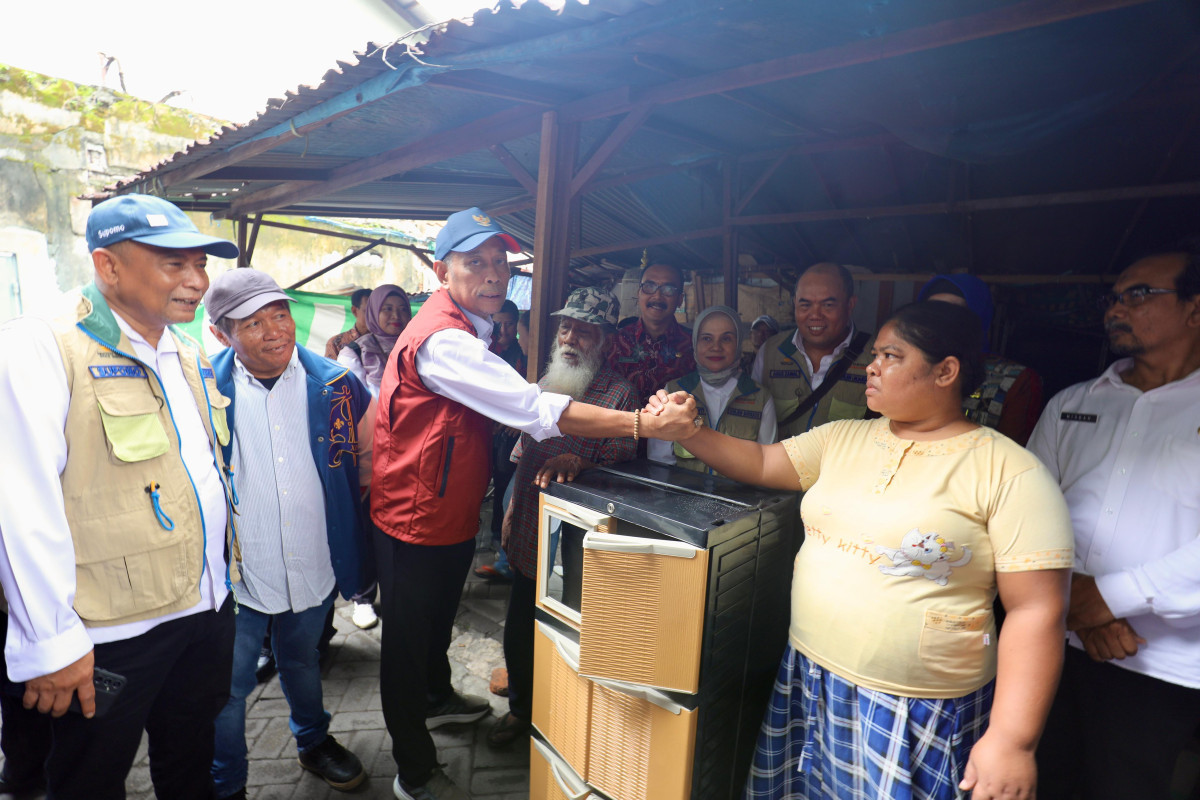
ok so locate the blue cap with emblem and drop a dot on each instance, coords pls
(150, 220)
(466, 230)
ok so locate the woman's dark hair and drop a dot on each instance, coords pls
(941, 330)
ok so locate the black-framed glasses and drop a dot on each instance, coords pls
(1131, 297)
(667, 289)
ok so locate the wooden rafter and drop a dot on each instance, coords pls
(627, 127)
(514, 167)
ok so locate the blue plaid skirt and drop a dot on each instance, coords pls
(825, 737)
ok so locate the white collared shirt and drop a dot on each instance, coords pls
(459, 366)
(1128, 463)
(818, 374)
(37, 561)
(281, 510)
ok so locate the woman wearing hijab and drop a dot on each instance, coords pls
(388, 312)
(730, 400)
(1010, 398)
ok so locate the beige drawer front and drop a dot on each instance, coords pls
(640, 745)
(643, 611)
(551, 778)
(561, 698)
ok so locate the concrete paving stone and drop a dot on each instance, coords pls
(495, 609)
(271, 690)
(335, 687)
(361, 646)
(274, 742)
(355, 720)
(274, 770)
(255, 726)
(451, 736)
(382, 765)
(357, 696)
(311, 787)
(139, 780)
(269, 707)
(143, 751)
(353, 669)
(515, 755)
(274, 791)
(457, 761)
(478, 624)
(499, 781)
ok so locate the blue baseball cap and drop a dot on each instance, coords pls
(150, 220)
(466, 230)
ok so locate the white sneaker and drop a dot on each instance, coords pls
(364, 616)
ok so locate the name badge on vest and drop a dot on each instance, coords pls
(115, 371)
(1071, 416)
(206, 373)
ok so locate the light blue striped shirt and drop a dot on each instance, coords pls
(285, 550)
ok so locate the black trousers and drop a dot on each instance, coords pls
(518, 645)
(24, 733)
(420, 587)
(177, 680)
(1113, 734)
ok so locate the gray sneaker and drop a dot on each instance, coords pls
(439, 787)
(457, 708)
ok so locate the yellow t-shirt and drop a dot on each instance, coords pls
(894, 585)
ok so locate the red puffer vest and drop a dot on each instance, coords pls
(432, 455)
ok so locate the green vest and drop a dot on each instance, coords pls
(741, 418)
(121, 439)
(785, 375)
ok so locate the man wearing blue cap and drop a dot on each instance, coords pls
(441, 391)
(113, 511)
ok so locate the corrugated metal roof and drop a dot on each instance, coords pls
(1094, 102)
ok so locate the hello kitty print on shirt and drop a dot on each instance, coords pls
(923, 555)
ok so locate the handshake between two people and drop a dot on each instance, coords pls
(677, 418)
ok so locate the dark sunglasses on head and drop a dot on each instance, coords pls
(1133, 296)
(667, 289)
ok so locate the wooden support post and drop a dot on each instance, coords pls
(243, 259)
(729, 260)
(552, 232)
(253, 240)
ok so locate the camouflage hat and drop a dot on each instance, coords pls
(593, 305)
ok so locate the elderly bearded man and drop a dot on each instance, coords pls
(577, 368)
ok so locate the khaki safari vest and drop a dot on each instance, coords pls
(741, 418)
(134, 514)
(785, 375)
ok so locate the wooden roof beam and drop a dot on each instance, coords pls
(509, 124)
(627, 127)
(515, 168)
(1187, 189)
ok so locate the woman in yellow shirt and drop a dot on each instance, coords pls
(893, 683)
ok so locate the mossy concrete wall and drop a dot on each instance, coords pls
(60, 141)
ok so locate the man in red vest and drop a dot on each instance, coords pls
(439, 395)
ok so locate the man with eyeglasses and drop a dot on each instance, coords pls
(817, 372)
(1125, 448)
(656, 349)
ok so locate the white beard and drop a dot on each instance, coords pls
(571, 379)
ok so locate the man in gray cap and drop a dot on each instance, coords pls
(113, 512)
(577, 368)
(294, 417)
(441, 391)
